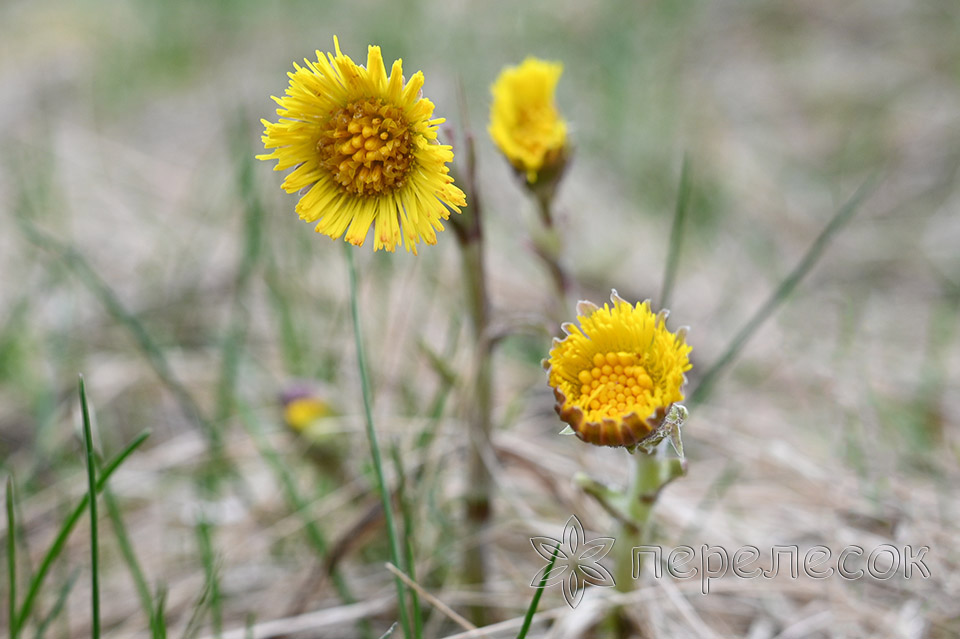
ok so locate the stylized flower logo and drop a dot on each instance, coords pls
(577, 562)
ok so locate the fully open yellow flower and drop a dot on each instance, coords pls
(616, 376)
(524, 122)
(365, 151)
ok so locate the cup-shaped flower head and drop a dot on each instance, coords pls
(365, 149)
(617, 375)
(524, 122)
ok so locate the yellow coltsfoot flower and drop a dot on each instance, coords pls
(617, 375)
(300, 413)
(365, 150)
(524, 122)
(314, 421)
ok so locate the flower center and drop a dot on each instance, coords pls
(614, 385)
(367, 147)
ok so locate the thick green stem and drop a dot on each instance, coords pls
(650, 474)
(372, 438)
(648, 478)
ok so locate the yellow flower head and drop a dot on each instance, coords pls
(616, 376)
(365, 151)
(301, 412)
(312, 418)
(524, 122)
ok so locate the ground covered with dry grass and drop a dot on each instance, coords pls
(142, 246)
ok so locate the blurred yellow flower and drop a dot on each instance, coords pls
(365, 150)
(524, 122)
(319, 433)
(301, 412)
(616, 376)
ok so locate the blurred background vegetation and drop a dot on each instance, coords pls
(142, 245)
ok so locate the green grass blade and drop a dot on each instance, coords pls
(129, 556)
(249, 262)
(676, 234)
(200, 606)
(295, 500)
(158, 627)
(92, 503)
(297, 503)
(154, 355)
(406, 523)
(208, 557)
(782, 292)
(292, 346)
(67, 527)
(57, 605)
(12, 558)
(535, 602)
(395, 553)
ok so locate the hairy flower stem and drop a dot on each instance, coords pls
(651, 472)
(478, 497)
(548, 244)
(469, 232)
(648, 479)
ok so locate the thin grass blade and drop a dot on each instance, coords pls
(208, 557)
(12, 558)
(81, 268)
(782, 292)
(535, 602)
(295, 501)
(406, 524)
(67, 527)
(129, 556)
(92, 503)
(249, 263)
(395, 553)
(158, 627)
(58, 605)
(676, 234)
